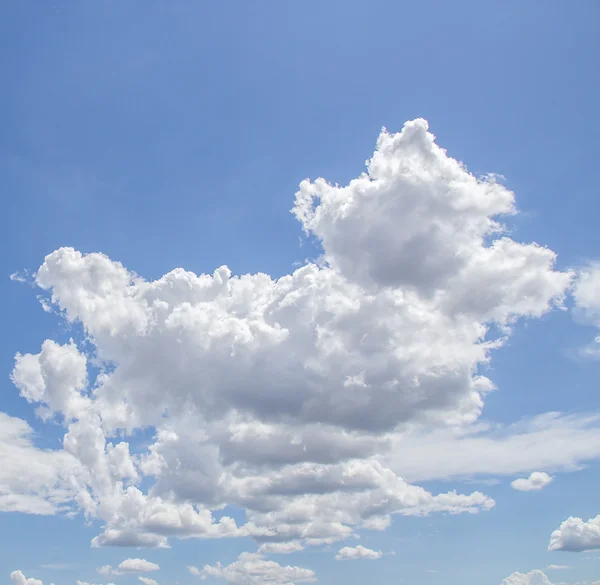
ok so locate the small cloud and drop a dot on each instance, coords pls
(280, 548)
(129, 566)
(22, 276)
(137, 566)
(349, 553)
(537, 481)
(105, 570)
(558, 567)
(147, 580)
(194, 570)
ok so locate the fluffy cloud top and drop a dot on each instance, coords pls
(575, 535)
(147, 580)
(538, 480)
(17, 578)
(290, 397)
(253, 569)
(532, 578)
(137, 566)
(348, 553)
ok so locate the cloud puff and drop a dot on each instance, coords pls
(138, 566)
(348, 553)
(105, 570)
(129, 566)
(17, 578)
(532, 578)
(290, 397)
(538, 480)
(575, 535)
(253, 569)
(147, 580)
(280, 548)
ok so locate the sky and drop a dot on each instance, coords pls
(299, 292)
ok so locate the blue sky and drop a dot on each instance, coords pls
(168, 135)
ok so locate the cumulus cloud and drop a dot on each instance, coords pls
(532, 578)
(293, 397)
(253, 569)
(576, 535)
(129, 566)
(17, 578)
(349, 553)
(147, 580)
(537, 481)
(138, 566)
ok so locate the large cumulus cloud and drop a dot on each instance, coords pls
(283, 397)
(576, 535)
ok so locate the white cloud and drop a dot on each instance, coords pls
(575, 535)
(586, 294)
(537, 481)
(105, 570)
(194, 570)
(17, 578)
(32, 480)
(348, 553)
(147, 580)
(532, 578)
(22, 276)
(552, 441)
(137, 566)
(558, 567)
(129, 566)
(253, 569)
(294, 398)
(280, 548)
(53, 378)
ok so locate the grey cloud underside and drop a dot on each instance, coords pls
(288, 397)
